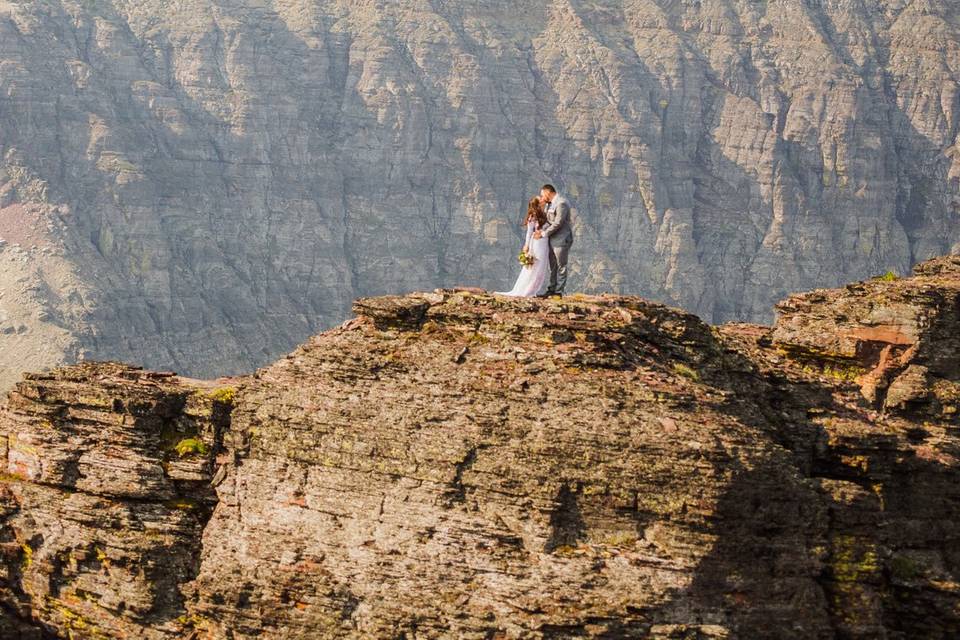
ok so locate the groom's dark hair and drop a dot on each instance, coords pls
(548, 187)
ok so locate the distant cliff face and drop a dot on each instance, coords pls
(460, 465)
(208, 183)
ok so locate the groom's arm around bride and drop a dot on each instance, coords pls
(561, 217)
(558, 217)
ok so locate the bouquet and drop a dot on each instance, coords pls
(526, 259)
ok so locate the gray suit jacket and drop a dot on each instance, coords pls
(558, 229)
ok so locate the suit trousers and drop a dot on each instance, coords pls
(558, 267)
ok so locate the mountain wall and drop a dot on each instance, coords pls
(201, 185)
(456, 464)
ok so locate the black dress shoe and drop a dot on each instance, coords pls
(545, 294)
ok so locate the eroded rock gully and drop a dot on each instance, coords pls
(456, 464)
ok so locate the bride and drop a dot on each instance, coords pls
(532, 278)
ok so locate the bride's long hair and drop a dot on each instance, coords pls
(535, 211)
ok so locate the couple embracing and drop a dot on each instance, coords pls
(549, 236)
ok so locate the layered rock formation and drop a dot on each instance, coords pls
(106, 493)
(202, 185)
(457, 464)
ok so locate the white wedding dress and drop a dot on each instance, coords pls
(532, 278)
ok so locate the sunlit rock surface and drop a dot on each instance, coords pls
(459, 464)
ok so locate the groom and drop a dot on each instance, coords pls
(560, 234)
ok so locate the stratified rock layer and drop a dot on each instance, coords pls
(203, 185)
(460, 464)
(105, 494)
(903, 337)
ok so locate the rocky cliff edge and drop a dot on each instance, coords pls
(459, 464)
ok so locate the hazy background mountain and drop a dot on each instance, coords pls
(201, 184)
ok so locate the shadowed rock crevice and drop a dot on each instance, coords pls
(567, 527)
(457, 492)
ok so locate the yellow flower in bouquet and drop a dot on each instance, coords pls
(526, 259)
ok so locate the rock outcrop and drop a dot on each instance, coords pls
(459, 464)
(900, 342)
(201, 185)
(106, 490)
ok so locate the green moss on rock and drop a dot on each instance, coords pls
(224, 395)
(190, 446)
